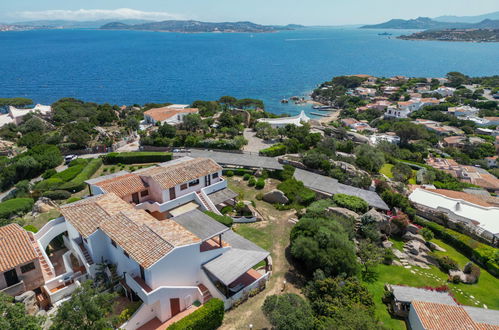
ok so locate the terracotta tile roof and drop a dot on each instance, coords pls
(168, 176)
(161, 114)
(123, 185)
(462, 195)
(434, 316)
(15, 247)
(142, 236)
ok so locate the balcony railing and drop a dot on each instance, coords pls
(15, 290)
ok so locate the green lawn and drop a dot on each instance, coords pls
(386, 170)
(486, 291)
(260, 236)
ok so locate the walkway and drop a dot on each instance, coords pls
(155, 323)
(255, 144)
(236, 159)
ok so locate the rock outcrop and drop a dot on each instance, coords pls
(275, 197)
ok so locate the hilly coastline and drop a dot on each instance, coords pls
(197, 26)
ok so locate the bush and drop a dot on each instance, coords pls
(427, 234)
(78, 182)
(388, 256)
(246, 177)
(226, 209)
(16, 206)
(252, 181)
(49, 184)
(296, 192)
(288, 311)
(352, 203)
(260, 183)
(447, 263)
(136, 157)
(273, 151)
(223, 219)
(48, 173)
(208, 317)
(484, 255)
(230, 174)
(69, 173)
(472, 269)
(33, 229)
(57, 194)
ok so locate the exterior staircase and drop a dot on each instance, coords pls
(207, 204)
(46, 270)
(87, 256)
(205, 292)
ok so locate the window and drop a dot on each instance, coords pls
(144, 193)
(113, 243)
(194, 183)
(28, 267)
(214, 175)
(183, 186)
(126, 254)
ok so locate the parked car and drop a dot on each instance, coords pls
(69, 158)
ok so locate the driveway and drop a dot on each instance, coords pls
(255, 144)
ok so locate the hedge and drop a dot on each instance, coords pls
(353, 203)
(275, 150)
(69, 173)
(15, 206)
(207, 317)
(49, 184)
(78, 182)
(296, 192)
(136, 157)
(482, 254)
(223, 219)
(57, 194)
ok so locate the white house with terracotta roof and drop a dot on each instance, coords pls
(172, 114)
(16, 115)
(166, 250)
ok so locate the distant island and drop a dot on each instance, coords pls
(197, 26)
(470, 35)
(420, 23)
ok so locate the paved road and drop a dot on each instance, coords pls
(255, 144)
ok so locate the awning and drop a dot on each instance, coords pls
(221, 196)
(200, 224)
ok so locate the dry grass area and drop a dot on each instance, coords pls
(276, 229)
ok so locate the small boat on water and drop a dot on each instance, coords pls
(322, 107)
(384, 34)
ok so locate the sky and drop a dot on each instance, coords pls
(306, 12)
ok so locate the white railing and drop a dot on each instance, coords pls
(66, 290)
(48, 226)
(222, 184)
(80, 254)
(162, 291)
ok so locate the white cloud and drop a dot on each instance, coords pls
(96, 14)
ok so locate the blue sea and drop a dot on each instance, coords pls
(132, 67)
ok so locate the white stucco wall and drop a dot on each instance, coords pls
(414, 321)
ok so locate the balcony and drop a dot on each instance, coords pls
(15, 289)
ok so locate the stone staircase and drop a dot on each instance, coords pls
(206, 204)
(205, 292)
(46, 270)
(87, 256)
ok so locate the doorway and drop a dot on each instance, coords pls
(11, 277)
(172, 193)
(175, 306)
(135, 198)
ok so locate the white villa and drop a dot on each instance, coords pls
(284, 121)
(15, 115)
(445, 91)
(173, 114)
(151, 225)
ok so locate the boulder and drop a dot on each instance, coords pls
(412, 229)
(412, 247)
(386, 244)
(44, 204)
(275, 197)
(413, 237)
(28, 298)
(343, 212)
(434, 247)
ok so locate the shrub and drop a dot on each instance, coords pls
(482, 254)
(273, 151)
(388, 256)
(78, 182)
(15, 206)
(472, 269)
(78, 161)
(57, 194)
(208, 317)
(296, 192)
(427, 234)
(246, 177)
(288, 311)
(353, 203)
(260, 183)
(447, 263)
(31, 228)
(72, 200)
(223, 219)
(48, 173)
(226, 209)
(69, 173)
(136, 157)
(252, 181)
(230, 174)
(49, 184)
